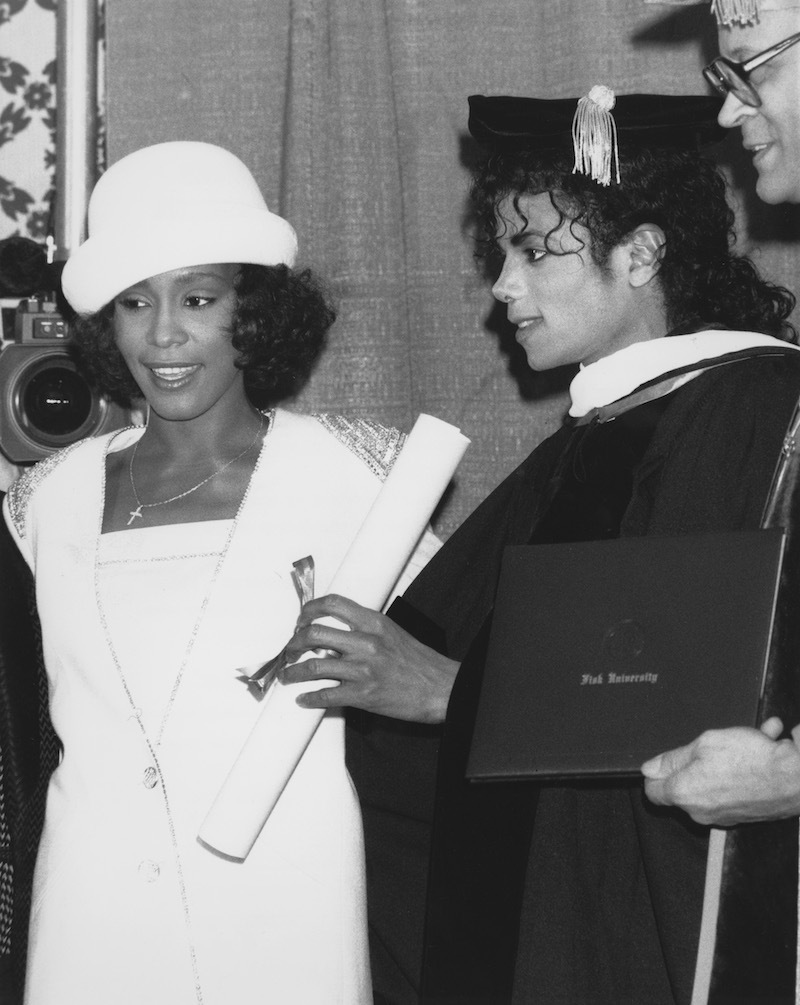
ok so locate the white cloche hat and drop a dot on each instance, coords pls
(170, 206)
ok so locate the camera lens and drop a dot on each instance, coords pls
(57, 401)
(52, 403)
(46, 403)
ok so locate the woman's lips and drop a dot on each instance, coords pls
(173, 376)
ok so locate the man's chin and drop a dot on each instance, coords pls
(774, 190)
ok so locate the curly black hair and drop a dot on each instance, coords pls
(279, 329)
(681, 191)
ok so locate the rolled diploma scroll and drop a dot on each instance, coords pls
(368, 572)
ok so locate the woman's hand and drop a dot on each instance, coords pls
(729, 776)
(380, 667)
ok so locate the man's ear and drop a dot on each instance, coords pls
(647, 245)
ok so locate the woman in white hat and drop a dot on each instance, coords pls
(163, 558)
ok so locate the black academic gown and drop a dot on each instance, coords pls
(579, 893)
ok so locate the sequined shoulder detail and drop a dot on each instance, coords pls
(376, 445)
(21, 490)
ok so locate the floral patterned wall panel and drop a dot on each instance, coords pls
(27, 116)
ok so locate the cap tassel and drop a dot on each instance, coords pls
(594, 136)
(735, 11)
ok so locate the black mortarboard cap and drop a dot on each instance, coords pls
(597, 121)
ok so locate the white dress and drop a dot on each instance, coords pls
(143, 633)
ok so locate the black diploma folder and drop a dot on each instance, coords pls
(605, 653)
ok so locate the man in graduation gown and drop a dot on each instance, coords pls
(571, 893)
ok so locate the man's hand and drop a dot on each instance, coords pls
(380, 667)
(729, 776)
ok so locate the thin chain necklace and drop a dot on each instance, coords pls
(134, 513)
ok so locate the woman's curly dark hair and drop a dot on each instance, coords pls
(681, 191)
(279, 329)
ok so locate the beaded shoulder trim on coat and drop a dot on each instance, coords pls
(376, 445)
(21, 490)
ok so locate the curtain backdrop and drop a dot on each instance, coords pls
(352, 116)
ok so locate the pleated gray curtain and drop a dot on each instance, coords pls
(352, 115)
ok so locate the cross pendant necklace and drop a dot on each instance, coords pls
(134, 513)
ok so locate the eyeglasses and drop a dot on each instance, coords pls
(728, 77)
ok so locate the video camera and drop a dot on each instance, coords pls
(45, 402)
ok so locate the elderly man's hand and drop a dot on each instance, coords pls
(380, 667)
(729, 776)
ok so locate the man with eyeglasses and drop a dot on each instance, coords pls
(742, 775)
(735, 776)
(758, 74)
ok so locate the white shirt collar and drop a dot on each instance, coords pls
(618, 375)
